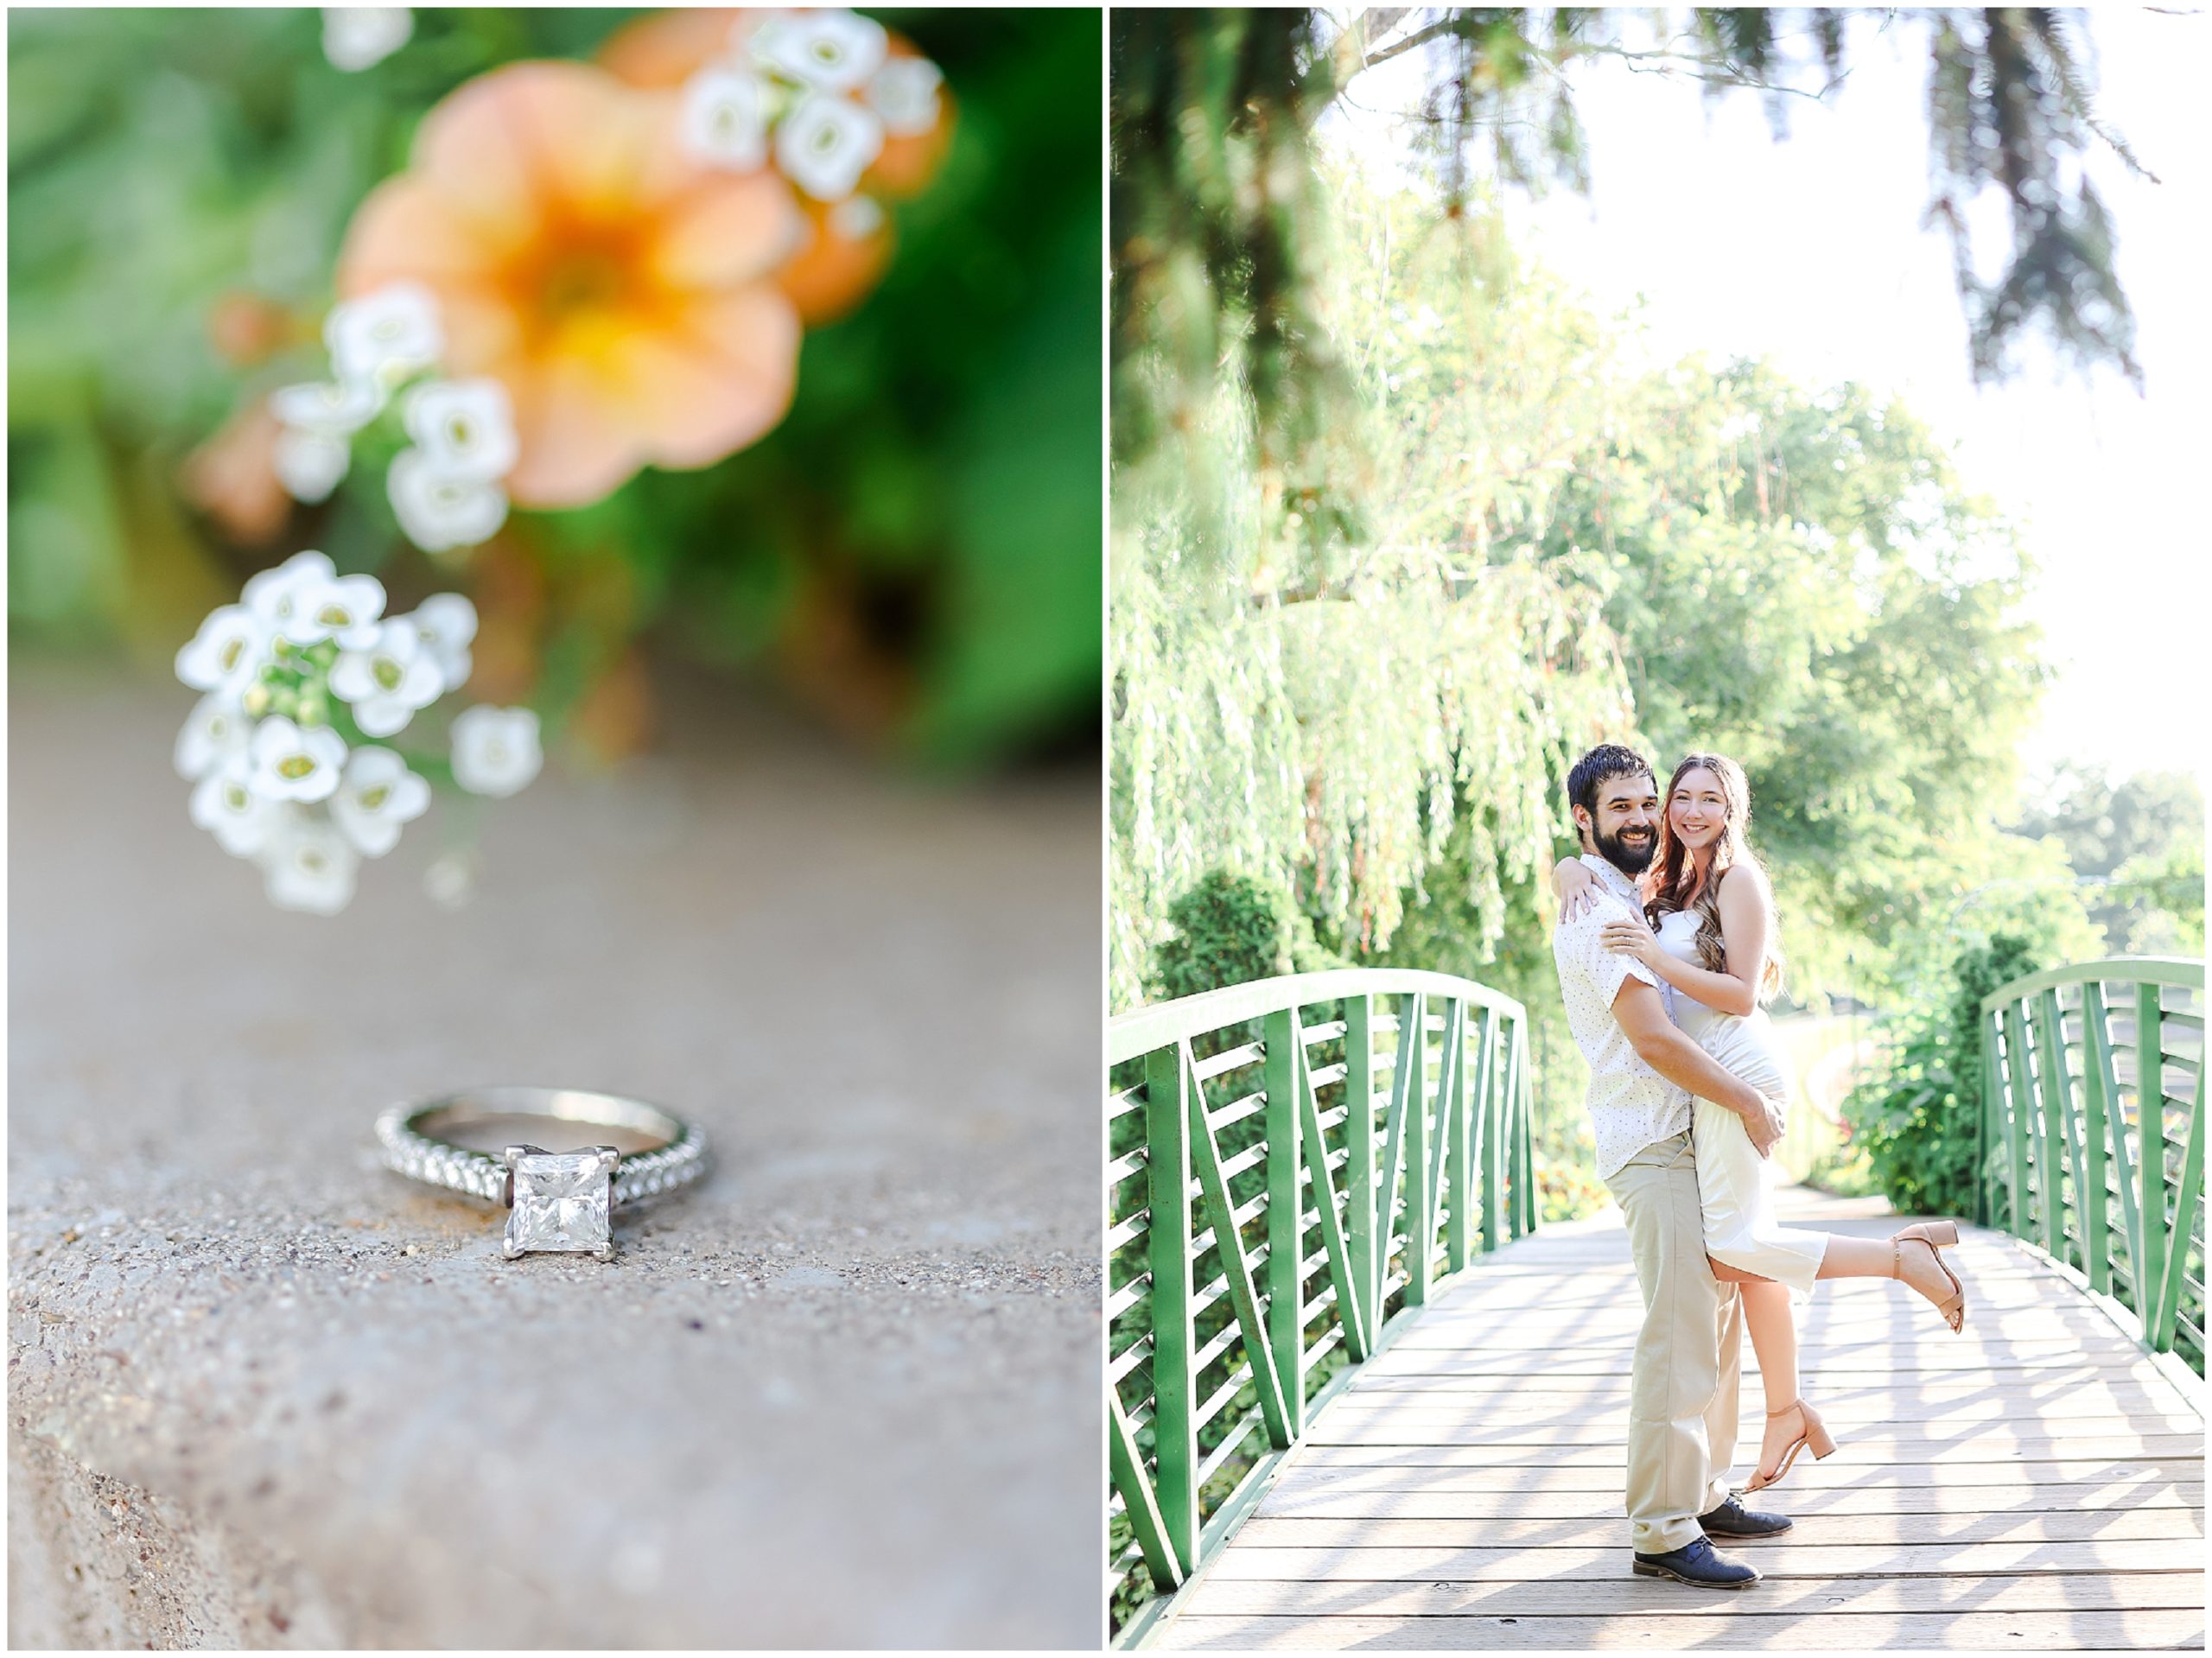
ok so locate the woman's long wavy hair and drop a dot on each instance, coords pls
(1676, 884)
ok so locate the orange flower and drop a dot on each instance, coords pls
(232, 476)
(621, 293)
(844, 257)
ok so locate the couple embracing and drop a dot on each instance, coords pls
(1666, 950)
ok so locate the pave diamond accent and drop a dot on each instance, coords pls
(561, 1201)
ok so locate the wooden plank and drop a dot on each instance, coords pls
(1442, 1429)
(1774, 1598)
(1812, 1530)
(1778, 1559)
(2082, 1386)
(2042, 1631)
(2147, 1446)
(2008, 1480)
(1321, 1502)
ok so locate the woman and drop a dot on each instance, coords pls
(1715, 949)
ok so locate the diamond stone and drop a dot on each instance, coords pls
(561, 1201)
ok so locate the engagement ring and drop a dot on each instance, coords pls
(556, 1201)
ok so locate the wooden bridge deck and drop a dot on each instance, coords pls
(2036, 1483)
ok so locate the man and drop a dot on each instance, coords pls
(1642, 1072)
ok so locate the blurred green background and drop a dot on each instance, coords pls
(912, 555)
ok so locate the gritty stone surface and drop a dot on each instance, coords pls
(264, 1393)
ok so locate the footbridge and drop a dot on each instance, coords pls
(1358, 1398)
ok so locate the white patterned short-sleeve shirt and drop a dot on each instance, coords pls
(1631, 1105)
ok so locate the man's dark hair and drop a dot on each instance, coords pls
(1601, 766)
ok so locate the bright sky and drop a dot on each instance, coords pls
(1809, 250)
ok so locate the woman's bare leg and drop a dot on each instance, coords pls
(1774, 1338)
(1773, 1331)
(1878, 1258)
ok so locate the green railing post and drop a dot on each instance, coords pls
(1236, 1266)
(2186, 1201)
(1174, 1383)
(2057, 1124)
(2106, 1075)
(2017, 1099)
(1455, 1174)
(1359, 1165)
(2097, 1220)
(1524, 1135)
(2049, 1167)
(1493, 1139)
(1985, 1152)
(2151, 1151)
(1405, 1096)
(1420, 1216)
(1286, 1040)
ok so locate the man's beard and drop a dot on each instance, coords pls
(1630, 858)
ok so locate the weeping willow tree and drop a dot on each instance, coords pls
(1219, 218)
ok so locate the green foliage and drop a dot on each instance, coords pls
(1232, 929)
(1221, 236)
(2139, 845)
(915, 547)
(1920, 1126)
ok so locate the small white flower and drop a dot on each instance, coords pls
(466, 428)
(446, 623)
(451, 880)
(833, 50)
(495, 751)
(904, 92)
(388, 679)
(354, 37)
(440, 509)
(385, 336)
(725, 120)
(344, 608)
(226, 653)
(217, 730)
(378, 795)
(307, 865)
(825, 144)
(311, 464)
(225, 805)
(275, 595)
(335, 409)
(289, 764)
(856, 218)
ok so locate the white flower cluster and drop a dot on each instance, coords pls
(356, 37)
(275, 779)
(818, 90)
(445, 491)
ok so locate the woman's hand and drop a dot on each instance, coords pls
(1577, 888)
(1632, 938)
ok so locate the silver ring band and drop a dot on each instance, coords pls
(563, 1196)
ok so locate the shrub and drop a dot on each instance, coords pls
(1232, 929)
(1919, 1126)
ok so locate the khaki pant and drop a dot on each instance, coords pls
(1681, 1428)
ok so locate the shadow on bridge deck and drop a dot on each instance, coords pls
(2037, 1482)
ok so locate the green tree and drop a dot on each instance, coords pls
(1219, 227)
(1921, 1125)
(2137, 846)
(1232, 929)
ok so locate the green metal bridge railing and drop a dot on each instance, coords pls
(2092, 1132)
(1270, 1228)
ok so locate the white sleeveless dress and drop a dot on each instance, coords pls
(1735, 1183)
